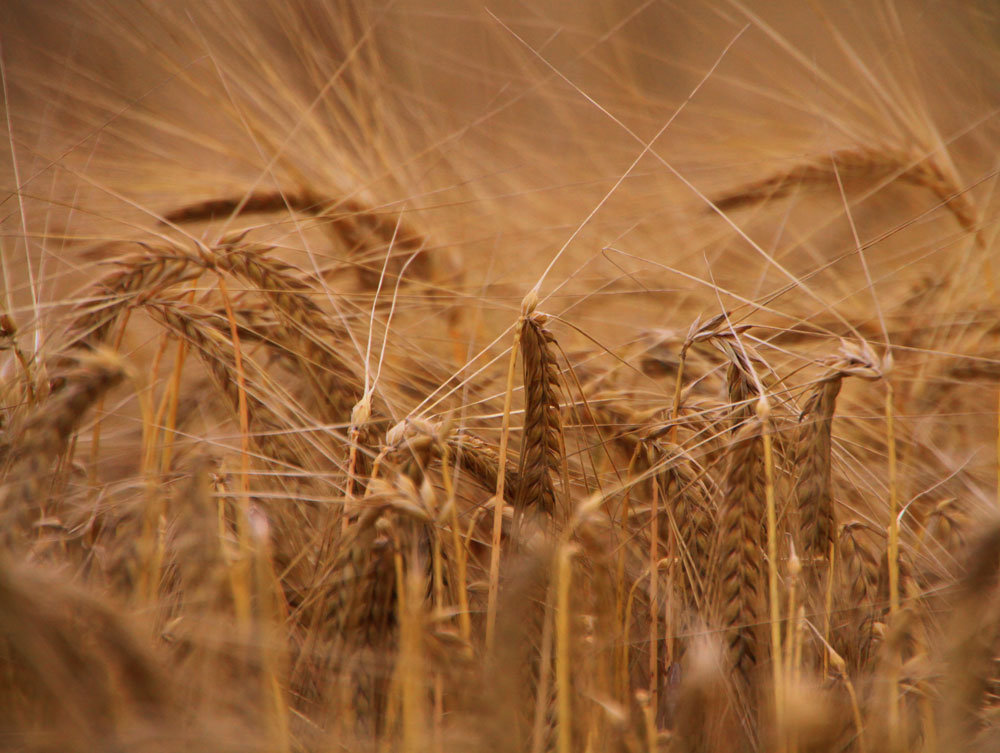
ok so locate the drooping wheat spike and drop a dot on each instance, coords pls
(482, 461)
(859, 577)
(307, 331)
(737, 567)
(683, 489)
(254, 203)
(360, 226)
(139, 279)
(856, 164)
(741, 382)
(813, 495)
(541, 450)
(306, 334)
(45, 433)
(216, 352)
(813, 492)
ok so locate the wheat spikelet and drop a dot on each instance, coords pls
(306, 329)
(482, 461)
(859, 578)
(541, 451)
(362, 229)
(860, 163)
(683, 489)
(45, 434)
(737, 559)
(216, 352)
(813, 495)
(140, 279)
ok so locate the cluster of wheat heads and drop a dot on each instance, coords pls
(292, 469)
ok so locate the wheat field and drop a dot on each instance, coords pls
(400, 375)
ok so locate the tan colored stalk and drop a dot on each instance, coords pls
(411, 662)
(794, 573)
(459, 552)
(240, 574)
(654, 595)
(149, 546)
(498, 498)
(623, 599)
(267, 592)
(774, 612)
(564, 691)
(893, 567)
(540, 725)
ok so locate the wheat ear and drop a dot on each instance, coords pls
(859, 571)
(860, 163)
(45, 433)
(737, 565)
(813, 494)
(541, 450)
(361, 227)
